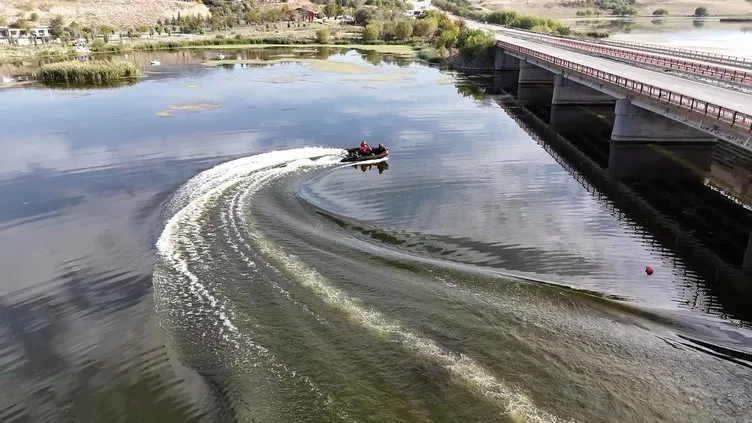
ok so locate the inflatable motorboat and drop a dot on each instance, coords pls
(355, 155)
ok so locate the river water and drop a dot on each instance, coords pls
(189, 248)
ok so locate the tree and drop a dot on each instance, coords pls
(660, 12)
(330, 10)
(371, 32)
(252, 17)
(98, 45)
(701, 11)
(363, 16)
(271, 15)
(404, 29)
(446, 39)
(56, 26)
(425, 27)
(323, 36)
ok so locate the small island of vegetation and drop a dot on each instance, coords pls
(90, 73)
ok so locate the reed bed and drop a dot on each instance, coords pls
(88, 73)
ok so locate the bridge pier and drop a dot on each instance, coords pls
(645, 145)
(505, 62)
(568, 92)
(575, 107)
(534, 84)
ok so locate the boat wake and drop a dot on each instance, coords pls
(192, 299)
(294, 317)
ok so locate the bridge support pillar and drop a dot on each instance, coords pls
(534, 84)
(742, 180)
(645, 145)
(568, 92)
(504, 61)
(533, 74)
(575, 107)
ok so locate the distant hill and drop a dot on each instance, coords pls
(117, 13)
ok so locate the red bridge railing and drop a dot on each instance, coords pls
(719, 113)
(718, 72)
(745, 62)
(675, 51)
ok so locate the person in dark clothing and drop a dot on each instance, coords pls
(380, 149)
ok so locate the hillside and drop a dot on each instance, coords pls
(568, 8)
(118, 13)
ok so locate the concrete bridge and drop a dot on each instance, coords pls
(686, 118)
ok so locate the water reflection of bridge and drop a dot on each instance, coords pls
(707, 248)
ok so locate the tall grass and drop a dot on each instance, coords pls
(172, 45)
(87, 73)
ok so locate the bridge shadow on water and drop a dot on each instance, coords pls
(691, 221)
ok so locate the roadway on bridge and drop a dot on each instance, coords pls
(529, 36)
(729, 99)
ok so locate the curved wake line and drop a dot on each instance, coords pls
(176, 244)
(188, 206)
(517, 404)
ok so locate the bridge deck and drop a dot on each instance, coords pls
(733, 100)
(618, 46)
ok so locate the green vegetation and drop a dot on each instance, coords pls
(323, 36)
(433, 31)
(590, 12)
(660, 12)
(701, 12)
(612, 7)
(87, 73)
(506, 18)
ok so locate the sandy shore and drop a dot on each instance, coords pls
(117, 13)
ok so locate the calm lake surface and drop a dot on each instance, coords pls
(190, 249)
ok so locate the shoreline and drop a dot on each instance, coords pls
(20, 55)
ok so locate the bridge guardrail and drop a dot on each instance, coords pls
(722, 73)
(676, 51)
(745, 62)
(732, 117)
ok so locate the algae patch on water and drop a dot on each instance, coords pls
(192, 107)
(336, 67)
(316, 65)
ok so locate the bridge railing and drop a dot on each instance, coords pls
(740, 61)
(714, 111)
(718, 72)
(723, 58)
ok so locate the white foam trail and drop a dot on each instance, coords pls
(191, 200)
(179, 242)
(517, 404)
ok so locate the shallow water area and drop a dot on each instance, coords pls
(193, 247)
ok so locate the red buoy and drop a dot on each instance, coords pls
(648, 270)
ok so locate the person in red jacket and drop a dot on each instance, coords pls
(365, 149)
